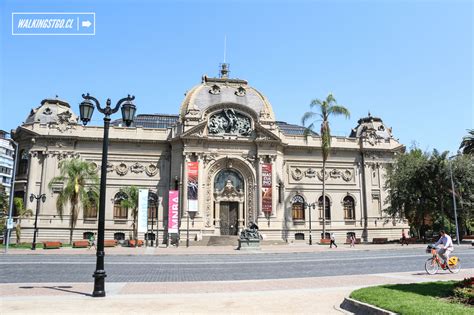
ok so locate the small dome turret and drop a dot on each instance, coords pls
(52, 111)
(371, 125)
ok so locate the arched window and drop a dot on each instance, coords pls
(120, 213)
(328, 208)
(152, 206)
(90, 210)
(297, 207)
(349, 208)
(23, 164)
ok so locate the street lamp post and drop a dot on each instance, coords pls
(454, 199)
(86, 109)
(12, 193)
(38, 198)
(309, 206)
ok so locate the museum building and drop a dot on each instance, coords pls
(231, 160)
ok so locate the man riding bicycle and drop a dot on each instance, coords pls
(445, 244)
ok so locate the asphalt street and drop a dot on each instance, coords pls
(39, 268)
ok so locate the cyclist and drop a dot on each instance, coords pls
(445, 244)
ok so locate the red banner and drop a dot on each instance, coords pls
(267, 187)
(193, 171)
(173, 211)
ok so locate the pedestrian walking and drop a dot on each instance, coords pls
(333, 241)
(92, 241)
(404, 237)
(352, 239)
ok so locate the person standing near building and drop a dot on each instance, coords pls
(92, 241)
(352, 239)
(404, 237)
(333, 241)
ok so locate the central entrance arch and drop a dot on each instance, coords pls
(229, 201)
(230, 197)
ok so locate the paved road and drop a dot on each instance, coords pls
(120, 268)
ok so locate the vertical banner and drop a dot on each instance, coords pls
(173, 211)
(142, 210)
(193, 171)
(267, 187)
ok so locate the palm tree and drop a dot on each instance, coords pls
(131, 202)
(78, 178)
(324, 109)
(21, 213)
(467, 144)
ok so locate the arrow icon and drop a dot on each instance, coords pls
(86, 23)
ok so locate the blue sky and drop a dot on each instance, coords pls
(408, 62)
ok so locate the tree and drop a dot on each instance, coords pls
(324, 109)
(21, 213)
(131, 202)
(419, 189)
(78, 178)
(467, 144)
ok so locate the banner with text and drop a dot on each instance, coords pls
(193, 171)
(173, 211)
(142, 210)
(267, 187)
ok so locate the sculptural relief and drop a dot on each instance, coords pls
(229, 122)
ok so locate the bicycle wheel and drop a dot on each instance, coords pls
(431, 266)
(455, 268)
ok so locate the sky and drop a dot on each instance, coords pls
(407, 62)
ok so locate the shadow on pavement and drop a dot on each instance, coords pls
(62, 288)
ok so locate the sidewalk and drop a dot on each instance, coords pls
(207, 250)
(321, 295)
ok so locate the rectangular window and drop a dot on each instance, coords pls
(120, 212)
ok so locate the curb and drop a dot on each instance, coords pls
(357, 307)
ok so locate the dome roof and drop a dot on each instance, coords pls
(213, 91)
(374, 125)
(51, 111)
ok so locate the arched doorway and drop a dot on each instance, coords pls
(229, 198)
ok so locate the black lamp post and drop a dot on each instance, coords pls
(309, 206)
(86, 108)
(38, 198)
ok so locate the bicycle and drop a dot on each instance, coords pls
(433, 264)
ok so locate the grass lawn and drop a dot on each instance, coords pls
(416, 298)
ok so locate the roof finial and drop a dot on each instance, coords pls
(224, 71)
(370, 114)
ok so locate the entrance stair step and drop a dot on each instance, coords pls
(224, 240)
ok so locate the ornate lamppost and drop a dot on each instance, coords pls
(38, 198)
(310, 206)
(86, 109)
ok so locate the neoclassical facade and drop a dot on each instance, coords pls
(231, 160)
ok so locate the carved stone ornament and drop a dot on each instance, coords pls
(110, 167)
(65, 121)
(95, 167)
(47, 111)
(121, 169)
(215, 90)
(229, 122)
(310, 173)
(151, 170)
(335, 173)
(347, 175)
(137, 168)
(297, 174)
(320, 175)
(240, 91)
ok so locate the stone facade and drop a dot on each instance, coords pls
(229, 128)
